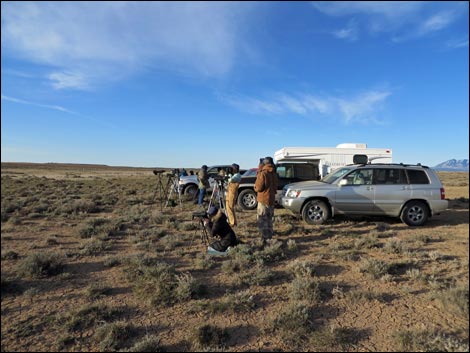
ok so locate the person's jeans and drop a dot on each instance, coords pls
(265, 220)
(202, 193)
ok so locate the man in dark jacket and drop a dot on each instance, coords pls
(266, 188)
(217, 226)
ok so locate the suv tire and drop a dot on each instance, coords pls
(247, 200)
(190, 192)
(315, 212)
(415, 213)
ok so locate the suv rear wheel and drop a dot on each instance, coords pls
(190, 192)
(415, 213)
(247, 199)
(315, 212)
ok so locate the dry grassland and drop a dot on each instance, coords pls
(91, 261)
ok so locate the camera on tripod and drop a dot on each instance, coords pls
(200, 215)
(221, 178)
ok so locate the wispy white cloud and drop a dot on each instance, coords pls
(403, 20)
(91, 41)
(59, 108)
(47, 106)
(362, 108)
(61, 80)
(350, 32)
(458, 43)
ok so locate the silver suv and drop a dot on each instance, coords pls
(411, 192)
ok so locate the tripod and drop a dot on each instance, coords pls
(218, 195)
(202, 228)
(172, 186)
(160, 189)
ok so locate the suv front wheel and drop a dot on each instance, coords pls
(247, 199)
(415, 213)
(315, 212)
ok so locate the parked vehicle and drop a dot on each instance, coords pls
(411, 192)
(189, 184)
(329, 158)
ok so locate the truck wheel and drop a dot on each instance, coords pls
(415, 213)
(190, 192)
(247, 200)
(315, 212)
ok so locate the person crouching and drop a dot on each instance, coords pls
(217, 226)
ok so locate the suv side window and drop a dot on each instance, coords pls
(305, 171)
(417, 176)
(282, 171)
(389, 176)
(359, 177)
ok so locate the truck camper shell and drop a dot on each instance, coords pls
(330, 158)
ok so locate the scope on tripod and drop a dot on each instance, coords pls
(158, 172)
(200, 215)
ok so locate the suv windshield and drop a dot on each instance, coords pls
(332, 177)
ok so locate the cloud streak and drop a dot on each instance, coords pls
(91, 41)
(403, 20)
(47, 106)
(361, 108)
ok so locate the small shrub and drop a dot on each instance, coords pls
(428, 341)
(210, 337)
(375, 268)
(97, 290)
(156, 284)
(41, 265)
(271, 253)
(188, 287)
(147, 344)
(88, 315)
(394, 246)
(114, 336)
(94, 247)
(305, 288)
(302, 269)
(258, 275)
(203, 262)
(456, 299)
(294, 323)
(292, 245)
(10, 255)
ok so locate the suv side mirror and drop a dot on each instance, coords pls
(343, 182)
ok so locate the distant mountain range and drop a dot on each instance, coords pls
(453, 165)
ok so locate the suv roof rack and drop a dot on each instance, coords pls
(397, 164)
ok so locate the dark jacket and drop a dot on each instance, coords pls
(203, 178)
(266, 185)
(218, 226)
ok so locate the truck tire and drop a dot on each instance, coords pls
(315, 212)
(247, 200)
(190, 191)
(415, 213)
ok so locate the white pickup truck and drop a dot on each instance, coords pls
(189, 184)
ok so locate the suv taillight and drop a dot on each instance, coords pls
(443, 194)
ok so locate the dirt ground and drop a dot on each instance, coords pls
(380, 285)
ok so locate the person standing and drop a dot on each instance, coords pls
(203, 183)
(232, 193)
(266, 187)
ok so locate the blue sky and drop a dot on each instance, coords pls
(156, 84)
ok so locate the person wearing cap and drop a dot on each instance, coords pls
(232, 193)
(217, 226)
(203, 179)
(266, 187)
